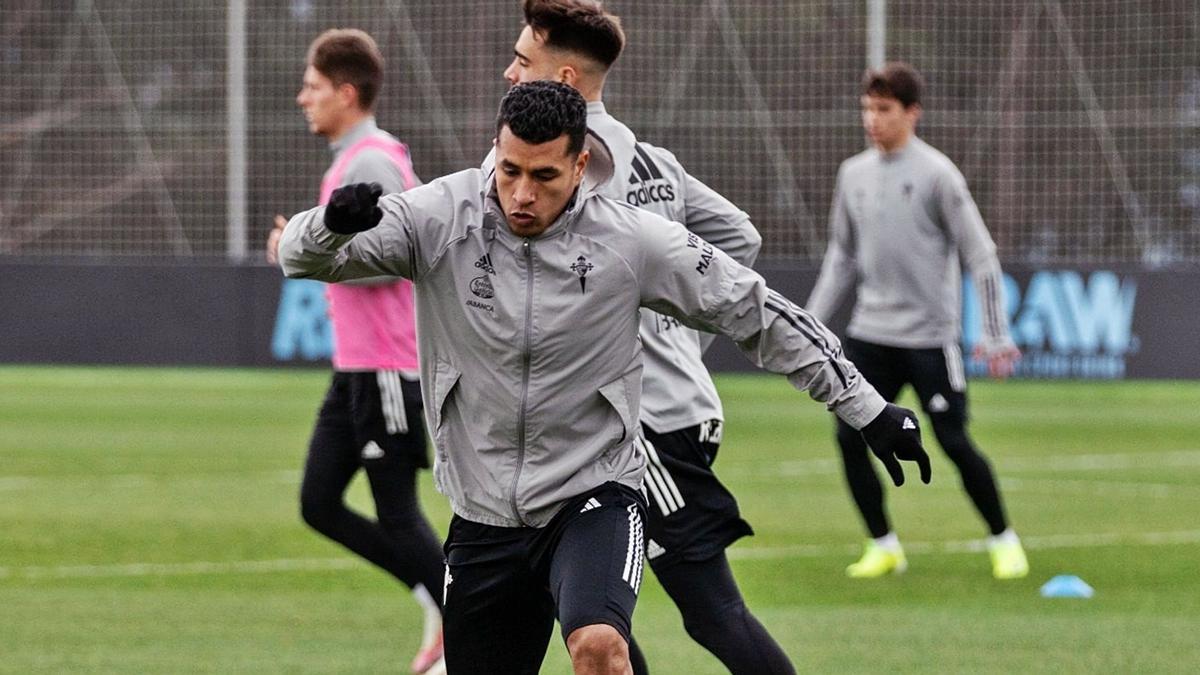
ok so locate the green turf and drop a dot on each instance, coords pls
(105, 469)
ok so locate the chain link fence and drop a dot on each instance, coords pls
(1076, 124)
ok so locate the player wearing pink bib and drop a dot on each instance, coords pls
(372, 415)
(372, 323)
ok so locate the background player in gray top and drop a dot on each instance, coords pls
(691, 517)
(902, 224)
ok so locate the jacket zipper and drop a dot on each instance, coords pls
(526, 357)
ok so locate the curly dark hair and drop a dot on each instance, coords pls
(580, 26)
(541, 111)
(896, 79)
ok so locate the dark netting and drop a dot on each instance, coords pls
(1077, 124)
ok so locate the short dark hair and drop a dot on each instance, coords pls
(897, 80)
(541, 111)
(349, 56)
(579, 26)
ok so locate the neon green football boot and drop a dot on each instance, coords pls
(877, 561)
(1008, 559)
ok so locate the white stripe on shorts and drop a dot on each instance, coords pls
(655, 481)
(392, 401)
(666, 475)
(632, 574)
(954, 367)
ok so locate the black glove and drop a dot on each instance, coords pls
(354, 208)
(895, 434)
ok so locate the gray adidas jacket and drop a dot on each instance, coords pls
(530, 358)
(677, 390)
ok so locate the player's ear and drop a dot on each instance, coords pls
(581, 163)
(915, 111)
(567, 75)
(348, 95)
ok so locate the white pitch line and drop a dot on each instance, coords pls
(1099, 488)
(182, 569)
(1103, 462)
(1035, 543)
(16, 483)
(1042, 542)
(137, 480)
(786, 469)
(794, 468)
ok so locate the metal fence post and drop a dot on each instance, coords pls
(876, 32)
(235, 135)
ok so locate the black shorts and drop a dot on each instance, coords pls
(936, 375)
(690, 515)
(383, 411)
(505, 586)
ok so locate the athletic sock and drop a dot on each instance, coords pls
(1008, 536)
(433, 615)
(888, 542)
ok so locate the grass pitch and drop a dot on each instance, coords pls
(148, 523)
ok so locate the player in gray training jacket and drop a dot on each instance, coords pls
(902, 223)
(528, 285)
(692, 517)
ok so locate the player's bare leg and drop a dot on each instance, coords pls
(598, 649)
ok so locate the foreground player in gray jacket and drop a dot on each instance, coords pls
(903, 222)
(691, 517)
(528, 286)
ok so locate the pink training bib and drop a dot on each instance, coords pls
(373, 326)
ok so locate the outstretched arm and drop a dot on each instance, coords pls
(324, 243)
(688, 278)
(357, 235)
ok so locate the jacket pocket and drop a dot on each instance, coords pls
(617, 395)
(445, 382)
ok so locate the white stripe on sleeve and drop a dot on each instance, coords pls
(954, 367)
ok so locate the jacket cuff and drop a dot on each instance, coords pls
(324, 237)
(864, 407)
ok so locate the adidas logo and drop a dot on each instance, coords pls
(372, 450)
(591, 504)
(654, 187)
(654, 549)
(908, 424)
(938, 404)
(485, 263)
